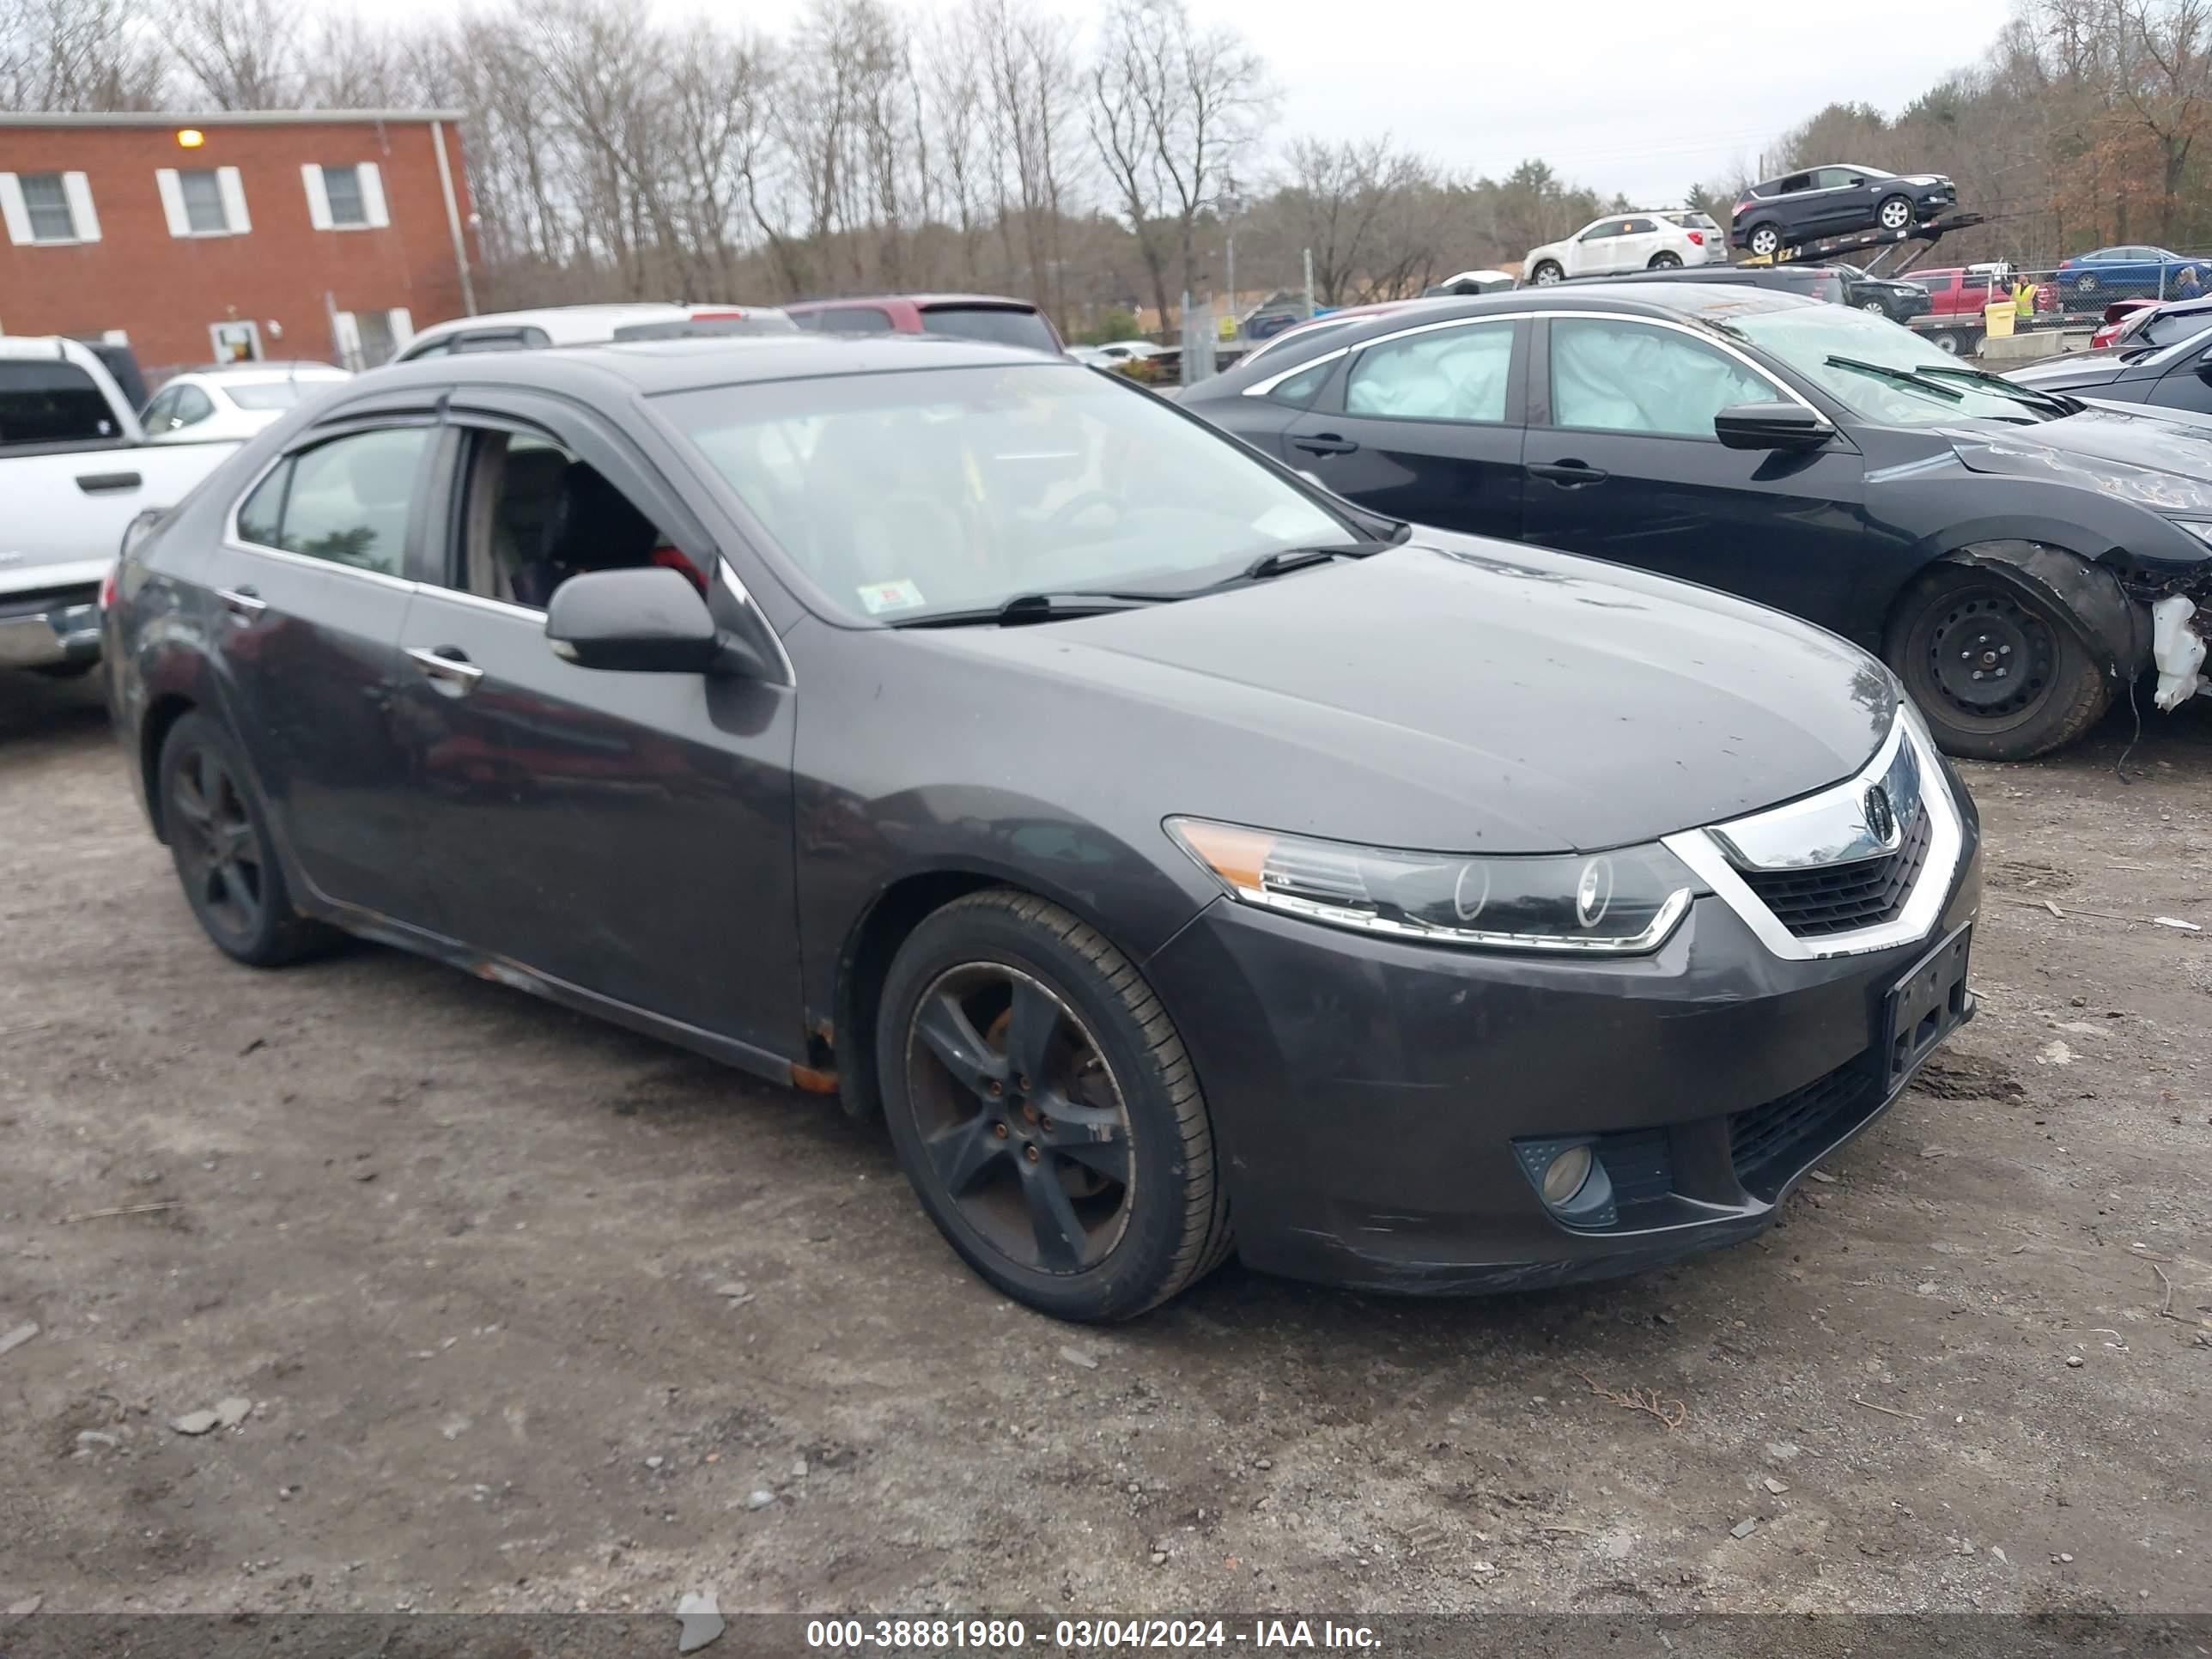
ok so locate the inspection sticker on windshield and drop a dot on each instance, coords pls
(879, 596)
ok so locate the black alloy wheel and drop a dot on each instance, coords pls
(1044, 1111)
(1997, 677)
(219, 842)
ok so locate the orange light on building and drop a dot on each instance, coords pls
(190, 138)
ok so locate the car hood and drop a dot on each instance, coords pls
(2080, 368)
(1459, 694)
(2148, 460)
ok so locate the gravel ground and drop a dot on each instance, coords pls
(525, 1312)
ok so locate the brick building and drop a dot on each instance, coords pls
(329, 235)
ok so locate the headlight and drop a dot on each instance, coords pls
(2199, 528)
(1619, 903)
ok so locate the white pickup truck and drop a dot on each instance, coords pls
(74, 471)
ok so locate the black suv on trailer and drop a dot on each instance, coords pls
(2000, 546)
(1835, 201)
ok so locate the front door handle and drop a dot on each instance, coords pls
(243, 602)
(97, 483)
(1569, 475)
(1325, 443)
(447, 667)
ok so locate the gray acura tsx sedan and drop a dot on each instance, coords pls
(1182, 861)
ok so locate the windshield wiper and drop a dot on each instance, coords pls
(2004, 388)
(1905, 377)
(1039, 607)
(1280, 560)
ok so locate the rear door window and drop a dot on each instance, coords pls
(855, 320)
(997, 324)
(51, 403)
(348, 500)
(1457, 374)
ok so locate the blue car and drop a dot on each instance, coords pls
(2125, 272)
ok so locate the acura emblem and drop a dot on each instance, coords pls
(1881, 816)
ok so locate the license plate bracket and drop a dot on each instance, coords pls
(1925, 1006)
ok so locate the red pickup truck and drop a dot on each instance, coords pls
(1953, 320)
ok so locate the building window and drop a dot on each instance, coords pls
(48, 207)
(203, 201)
(348, 197)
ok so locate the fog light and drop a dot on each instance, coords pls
(1565, 1175)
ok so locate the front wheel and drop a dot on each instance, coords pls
(1996, 674)
(1765, 241)
(1045, 1111)
(1665, 260)
(1547, 272)
(1895, 212)
(1875, 306)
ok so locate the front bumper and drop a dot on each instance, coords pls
(1366, 1094)
(45, 629)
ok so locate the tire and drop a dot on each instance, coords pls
(1894, 212)
(2085, 282)
(1765, 241)
(1958, 622)
(219, 841)
(1949, 340)
(1547, 272)
(1875, 306)
(999, 976)
(1665, 260)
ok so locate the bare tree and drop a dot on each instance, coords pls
(243, 54)
(78, 55)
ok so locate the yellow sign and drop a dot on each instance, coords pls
(1227, 328)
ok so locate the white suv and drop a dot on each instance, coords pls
(1630, 241)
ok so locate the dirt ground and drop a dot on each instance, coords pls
(474, 1261)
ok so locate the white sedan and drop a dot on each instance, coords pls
(1634, 241)
(203, 404)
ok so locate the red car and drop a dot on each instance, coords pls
(986, 316)
(2121, 317)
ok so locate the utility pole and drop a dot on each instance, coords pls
(1310, 305)
(1229, 206)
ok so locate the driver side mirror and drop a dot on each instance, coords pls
(644, 620)
(1771, 425)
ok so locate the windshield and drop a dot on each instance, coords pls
(998, 325)
(275, 394)
(910, 494)
(2164, 328)
(1809, 337)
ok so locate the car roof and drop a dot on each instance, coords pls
(564, 324)
(250, 373)
(925, 301)
(650, 367)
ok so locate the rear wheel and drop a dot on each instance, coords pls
(1948, 340)
(1045, 1112)
(1547, 272)
(1765, 241)
(2085, 282)
(1894, 212)
(1666, 260)
(1996, 674)
(219, 842)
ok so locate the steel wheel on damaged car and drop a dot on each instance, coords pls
(1997, 676)
(220, 844)
(1044, 1111)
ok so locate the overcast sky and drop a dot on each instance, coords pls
(1642, 98)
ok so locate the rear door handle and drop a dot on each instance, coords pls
(98, 484)
(448, 668)
(242, 602)
(1325, 443)
(1569, 475)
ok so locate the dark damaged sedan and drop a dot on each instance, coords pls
(1180, 860)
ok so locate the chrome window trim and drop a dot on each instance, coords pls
(1705, 852)
(237, 543)
(1261, 388)
(482, 601)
